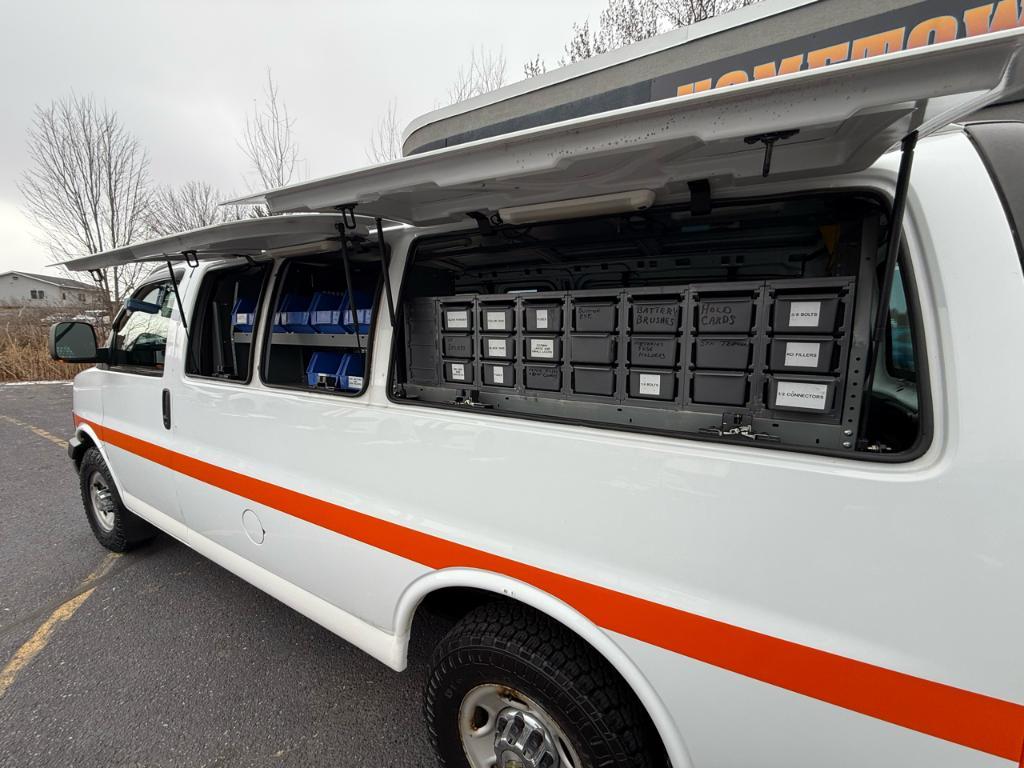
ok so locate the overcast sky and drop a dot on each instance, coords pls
(182, 74)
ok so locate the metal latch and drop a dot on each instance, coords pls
(738, 425)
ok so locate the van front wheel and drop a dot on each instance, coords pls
(114, 526)
(509, 687)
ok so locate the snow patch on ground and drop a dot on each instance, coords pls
(28, 383)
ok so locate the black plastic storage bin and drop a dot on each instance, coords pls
(652, 385)
(499, 374)
(545, 377)
(729, 352)
(805, 314)
(592, 349)
(543, 317)
(458, 372)
(720, 388)
(498, 347)
(543, 348)
(497, 318)
(654, 316)
(724, 315)
(593, 381)
(457, 346)
(595, 317)
(457, 317)
(802, 354)
(660, 351)
(807, 395)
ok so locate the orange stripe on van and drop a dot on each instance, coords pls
(983, 723)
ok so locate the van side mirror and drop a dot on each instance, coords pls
(74, 342)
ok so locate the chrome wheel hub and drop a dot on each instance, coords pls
(502, 728)
(102, 501)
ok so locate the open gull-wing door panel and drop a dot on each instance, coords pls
(834, 120)
(247, 237)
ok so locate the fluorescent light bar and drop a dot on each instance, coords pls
(578, 207)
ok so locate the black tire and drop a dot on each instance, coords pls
(116, 528)
(510, 645)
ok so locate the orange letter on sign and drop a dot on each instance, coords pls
(732, 78)
(877, 45)
(831, 55)
(981, 20)
(941, 29)
(788, 66)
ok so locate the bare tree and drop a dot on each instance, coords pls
(268, 141)
(534, 67)
(88, 186)
(386, 137)
(193, 205)
(681, 13)
(485, 72)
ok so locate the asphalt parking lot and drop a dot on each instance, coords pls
(160, 657)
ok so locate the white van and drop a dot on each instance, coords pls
(711, 467)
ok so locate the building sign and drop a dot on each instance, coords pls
(926, 23)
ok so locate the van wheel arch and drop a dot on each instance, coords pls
(455, 593)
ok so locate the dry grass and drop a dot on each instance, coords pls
(23, 345)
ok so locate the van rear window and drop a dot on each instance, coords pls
(750, 323)
(320, 325)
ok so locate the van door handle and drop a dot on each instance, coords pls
(167, 408)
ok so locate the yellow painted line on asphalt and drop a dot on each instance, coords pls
(37, 430)
(39, 640)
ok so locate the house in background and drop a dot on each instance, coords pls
(25, 289)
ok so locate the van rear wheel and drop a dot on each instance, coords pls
(509, 688)
(114, 526)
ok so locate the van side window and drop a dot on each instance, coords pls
(224, 322)
(900, 359)
(139, 338)
(315, 340)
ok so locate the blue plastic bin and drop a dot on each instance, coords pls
(350, 371)
(243, 314)
(335, 370)
(293, 315)
(325, 312)
(330, 313)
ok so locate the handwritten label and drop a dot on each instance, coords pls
(497, 348)
(495, 321)
(655, 351)
(595, 318)
(458, 372)
(650, 384)
(456, 318)
(498, 374)
(541, 318)
(655, 316)
(802, 354)
(801, 394)
(804, 314)
(720, 314)
(542, 348)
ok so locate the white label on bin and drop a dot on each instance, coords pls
(457, 318)
(806, 314)
(802, 354)
(355, 382)
(542, 318)
(801, 394)
(498, 373)
(650, 384)
(496, 347)
(495, 321)
(458, 371)
(544, 348)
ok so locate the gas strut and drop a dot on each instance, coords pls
(899, 207)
